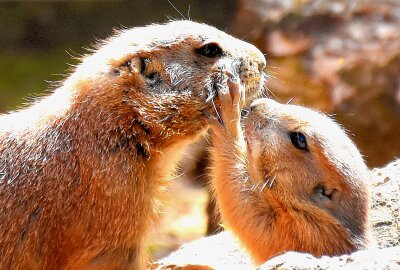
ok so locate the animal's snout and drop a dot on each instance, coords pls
(258, 62)
(257, 103)
(262, 63)
(258, 59)
(263, 106)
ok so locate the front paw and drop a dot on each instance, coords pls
(231, 95)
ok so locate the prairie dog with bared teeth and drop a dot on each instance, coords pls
(82, 171)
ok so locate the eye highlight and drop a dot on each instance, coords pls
(298, 140)
(210, 50)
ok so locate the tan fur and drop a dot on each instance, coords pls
(267, 190)
(82, 170)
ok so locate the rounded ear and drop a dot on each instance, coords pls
(133, 65)
(138, 64)
(326, 196)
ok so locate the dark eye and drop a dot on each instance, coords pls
(298, 140)
(210, 50)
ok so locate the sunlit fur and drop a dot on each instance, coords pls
(82, 170)
(267, 191)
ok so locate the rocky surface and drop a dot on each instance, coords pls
(220, 251)
(388, 258)
(340, 56)
(385, 206)
(223, 251)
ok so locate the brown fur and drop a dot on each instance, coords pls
(268, 190)
(82, 170)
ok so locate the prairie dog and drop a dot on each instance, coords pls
(291, 179)
(83, 170)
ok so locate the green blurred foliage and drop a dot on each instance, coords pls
(26, 75)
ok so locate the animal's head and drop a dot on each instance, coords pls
(161, 78)
(312, 161)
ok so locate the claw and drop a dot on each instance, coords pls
(216, 112)
(229, 92)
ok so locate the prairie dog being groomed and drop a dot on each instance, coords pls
(292, 180)
(82, 170)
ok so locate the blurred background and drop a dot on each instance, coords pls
(339, 56)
